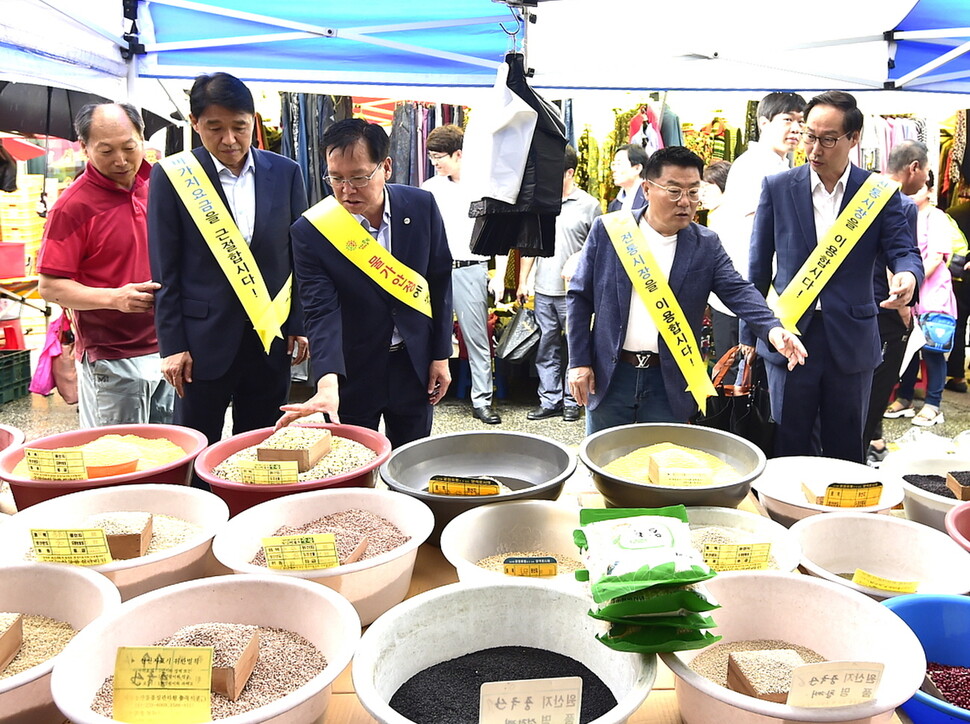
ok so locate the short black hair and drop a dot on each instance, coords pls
(845, 102)
(780, 102)
(904, 153)
(930, 180)
(445, 139)
(672, 156)
(717, 173)
(220, 89)
(636, 156)
(572, 158)
(84, 117)
(346, 133)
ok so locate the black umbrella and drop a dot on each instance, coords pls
(44, 110)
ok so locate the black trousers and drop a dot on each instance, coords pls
(886, 375)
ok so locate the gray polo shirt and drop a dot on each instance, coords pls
(572, 226)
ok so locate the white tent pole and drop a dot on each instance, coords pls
(938, 78)
(89, 25)
(933, 64)
(930, 34)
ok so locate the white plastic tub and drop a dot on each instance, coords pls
(372, 585)
(190, 559)
(460, 618)
(920, 505)
(318, 614)
(66, 593)
(884, 546)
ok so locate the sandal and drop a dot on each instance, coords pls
(899, 408)
(928, 416)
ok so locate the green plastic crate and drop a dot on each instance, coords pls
(14, 374)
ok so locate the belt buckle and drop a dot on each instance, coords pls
(642, 360)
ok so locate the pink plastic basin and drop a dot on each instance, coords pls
(27, 492)
(241, 496)
(10, 437)
(957, 524)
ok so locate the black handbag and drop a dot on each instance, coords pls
(743, 409)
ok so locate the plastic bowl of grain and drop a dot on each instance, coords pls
(942, 624)
(730, 526)
(67, 594)
(186, 520)
(316, 613)
(27, 492)
(514, 528)
(781, 492)
(240, 496)
(957, 523)
(461, 618)
(930, 501)
(837, 623)
(834, 546)
(373, 584)
(531, 467)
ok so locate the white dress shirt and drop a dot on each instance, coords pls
(641, 332)
(826, 205)
(240, 193)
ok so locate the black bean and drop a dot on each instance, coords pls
(931, 484)
(448, 693)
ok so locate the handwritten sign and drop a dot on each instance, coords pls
(835, 683)
(864, 578)
(301, 552)
(267, 472)
(550, 701)
(737, 557)
(55, 464)
(80, 546)
(163, 684)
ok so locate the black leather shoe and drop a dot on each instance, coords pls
(570, 413)
(486, 414)
(541, 413)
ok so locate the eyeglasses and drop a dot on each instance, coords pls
(809, 139)
(674, 193)
(358, 182)
(435, 157)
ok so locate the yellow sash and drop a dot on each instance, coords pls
(654, 290)
(228, 246)
(831, 251)
(341, 229)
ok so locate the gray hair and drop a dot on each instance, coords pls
(904, 153)
(82, 121)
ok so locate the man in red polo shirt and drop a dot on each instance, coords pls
(94, 260)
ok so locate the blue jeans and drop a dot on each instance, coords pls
(634, 395)
(935, 377)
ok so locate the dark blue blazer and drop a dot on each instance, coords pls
(641, 200)
(784, 228)
(349, 319)
(196, 309)
(602, 288)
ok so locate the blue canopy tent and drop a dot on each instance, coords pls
(930, 48)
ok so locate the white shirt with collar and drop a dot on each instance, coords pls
(826, 205)
(383, 236)
(240, 193)
(642, 334)
(627, 198)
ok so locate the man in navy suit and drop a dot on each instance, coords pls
(210, 350)
(374, 355)
(840, 331)
(627, 167)
(620, 367)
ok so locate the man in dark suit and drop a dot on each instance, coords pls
(211, 352)
(375, 352)
(797, 211)
(620, 366)
(628, 168)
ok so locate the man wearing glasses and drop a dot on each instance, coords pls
(637, 298)
(374, 274)
(822, 225)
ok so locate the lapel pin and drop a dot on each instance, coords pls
(407, 219)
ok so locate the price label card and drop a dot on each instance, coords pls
(80, 546)
(269, 472)
(531, 566)
(163, 684)
(864, 578)
(455, 485)
(852, 495)
(835, 683)
(301, 552)
(56, 464)
(737, 557)
(550, 701)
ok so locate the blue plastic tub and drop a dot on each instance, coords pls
(942, 624)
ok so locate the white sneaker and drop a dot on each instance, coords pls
(928, 416)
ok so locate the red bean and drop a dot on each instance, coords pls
(952, 681)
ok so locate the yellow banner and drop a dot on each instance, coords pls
(653, 289)
(228, 246)
(831, 251)
(341, 229)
